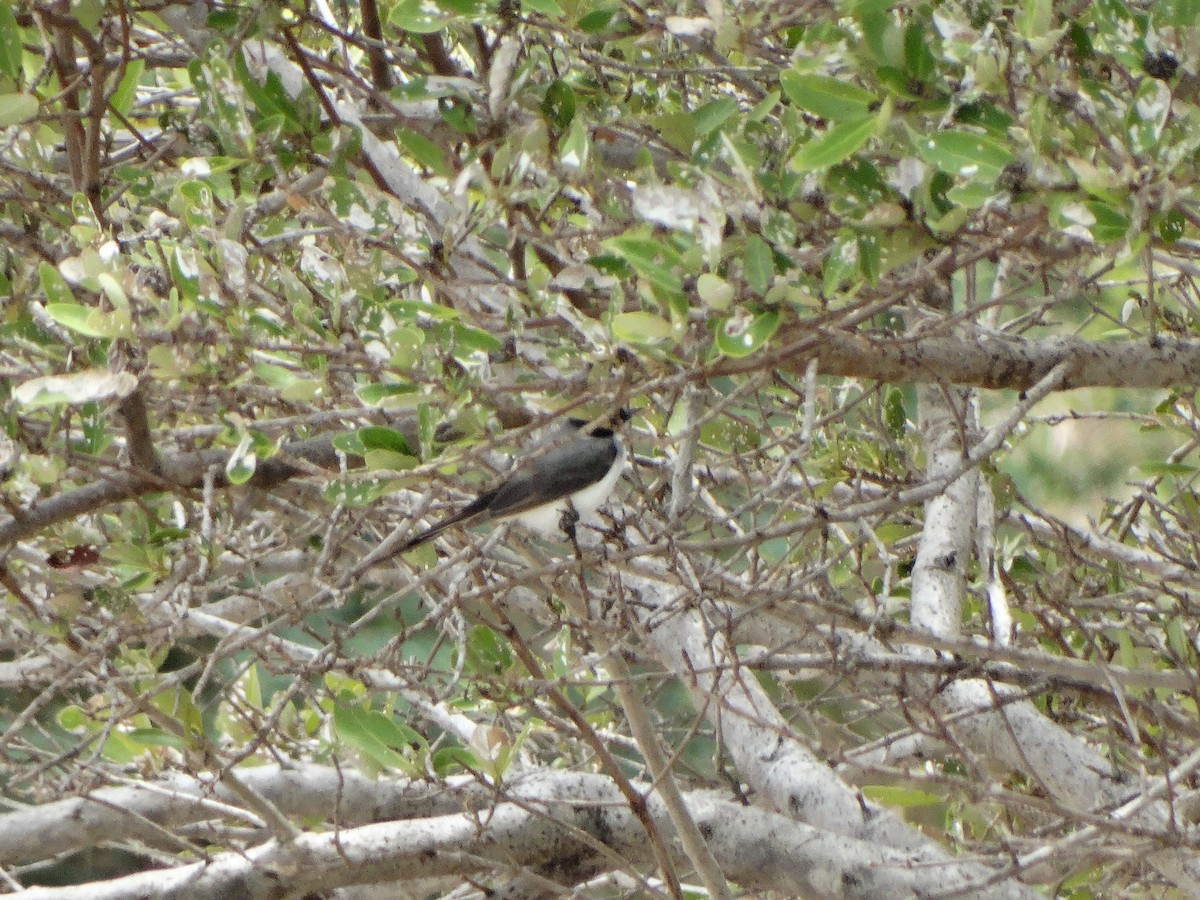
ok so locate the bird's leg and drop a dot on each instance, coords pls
(614, 527)
(567, 522)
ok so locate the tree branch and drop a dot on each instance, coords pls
(179, 471)
(551, 819)
(981, 360)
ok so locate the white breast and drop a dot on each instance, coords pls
(547, 520)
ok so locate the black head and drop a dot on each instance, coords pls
(619, 418)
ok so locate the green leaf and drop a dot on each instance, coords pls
(545, 7)
(269, 97)
(389, 461)
(277, 377)
(1165, 468)
(413, 17)
(91, 322)
(126, 92)
(118, 748)
(841, 263)
(379, 437)
(678, 129)
(829, 98)
(866, 9)
(558, 105)
(763, 107)
(17, 108)
(731, 340)
(596, 20)
(10, 43)
(250, 685)
(88, 13)
(156, 737)
(641, 328)
(380, 394)
(54, 287)
(964, 154)
(918, 61)
(902, 797)
(348, 442)
(471, 339)
(1148, 115)
(1182, 14)
(894, 415)
(869, 255)
(452, 760)
(1110, 225)
(1034, 18)
(1177, 639)
(74, 720)
(711, 116)
(379, 737)
(758, 264)
(651, 258)
(714, 291)
(1171, 226)
(411, 310)
(834, 145)
(970, 194)
(423, 150)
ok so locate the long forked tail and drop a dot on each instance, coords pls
(468, 512)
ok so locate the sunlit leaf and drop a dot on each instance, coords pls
(641, 328)
(547, 8)
(964, 154)
(54, 286)
(834, 145)
(423, 150)
(830, 98)
(17, 108)
(737, 339)
(901, 797)
(759, 264)
(386, 394)
(418, 17)
(713, 115)
(379, 737)
(126, 91)
(10, 43)
(714, 291)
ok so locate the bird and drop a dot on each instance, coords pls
(568, 481)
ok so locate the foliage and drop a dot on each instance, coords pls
(280, 279)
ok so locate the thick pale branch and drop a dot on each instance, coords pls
(540, 824)
(303, 790)
(983, 360)
(991, 721)
(767, 753)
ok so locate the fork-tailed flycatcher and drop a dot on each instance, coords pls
(573, 476)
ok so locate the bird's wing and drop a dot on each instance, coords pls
(551, 476)
(555, 474)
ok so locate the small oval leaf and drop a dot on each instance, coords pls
(735, 341)
(835, 145)
(641, 327)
